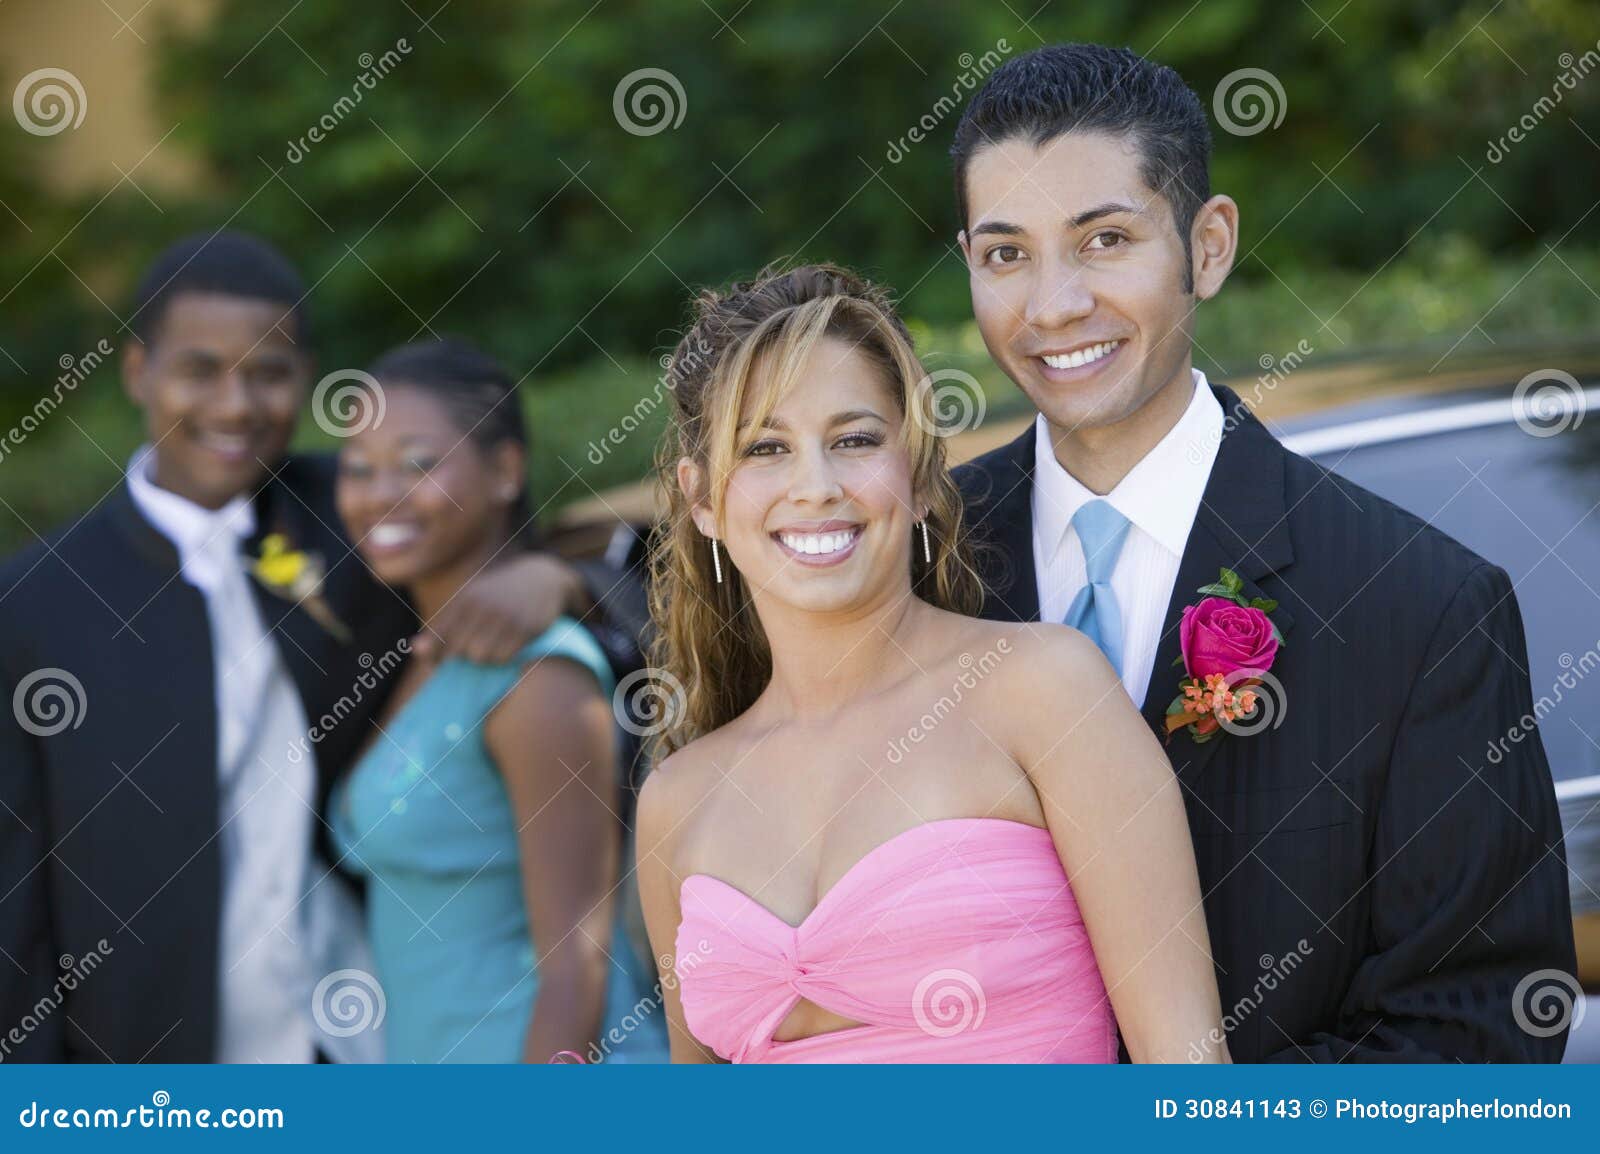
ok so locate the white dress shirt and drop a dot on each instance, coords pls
(1159, 497)
(285, 920)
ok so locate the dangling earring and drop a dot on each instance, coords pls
(716, 560)
(927, 552)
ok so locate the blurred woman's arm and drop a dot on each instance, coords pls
(553, 739)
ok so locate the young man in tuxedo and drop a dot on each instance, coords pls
(169, 823)
(1374, 889)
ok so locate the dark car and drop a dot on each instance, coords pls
(1514, 473)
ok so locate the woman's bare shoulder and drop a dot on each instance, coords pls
(1034, 682)
(663, 789)
(1029, 653)
(679, 783)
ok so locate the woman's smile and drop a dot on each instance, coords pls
(819, 544)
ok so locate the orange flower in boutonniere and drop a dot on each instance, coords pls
(1228, 645)
(296, 576)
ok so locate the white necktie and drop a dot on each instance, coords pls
(243, 669)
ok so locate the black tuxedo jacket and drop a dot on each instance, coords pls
(1375, 887)
(109, 828)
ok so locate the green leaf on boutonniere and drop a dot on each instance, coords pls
(1282, 644)
(1178, 660)
(1265, 604)
(1177, 706)
(1217, 591)
(1232, 580)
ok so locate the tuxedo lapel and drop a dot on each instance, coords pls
(999, 503)
(310, 652)
(166, 646)
(300, 639)
(1241, 525)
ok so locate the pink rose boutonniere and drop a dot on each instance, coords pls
(1228, 645)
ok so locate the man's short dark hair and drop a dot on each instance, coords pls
(1063, 88)
(228, 263)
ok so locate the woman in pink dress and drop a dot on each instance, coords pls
(884, 830)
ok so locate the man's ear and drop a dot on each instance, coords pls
(132, 369)
(691, 481)
(1214, 241)
(966, 245)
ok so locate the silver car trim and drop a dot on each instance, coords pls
(1401, 426)
(1577, 787)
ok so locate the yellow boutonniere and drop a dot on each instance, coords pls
(296, 576)
(279, 566)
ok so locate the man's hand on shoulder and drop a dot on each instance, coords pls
(501, 609)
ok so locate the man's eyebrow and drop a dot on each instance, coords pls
(996, 228)
(1006, 228)
(1109, 208)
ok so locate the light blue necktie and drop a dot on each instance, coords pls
(1094, 611)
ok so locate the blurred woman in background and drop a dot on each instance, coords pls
(483, 810)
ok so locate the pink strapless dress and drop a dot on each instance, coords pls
(957, 941)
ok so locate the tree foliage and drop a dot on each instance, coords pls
(485, 184)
